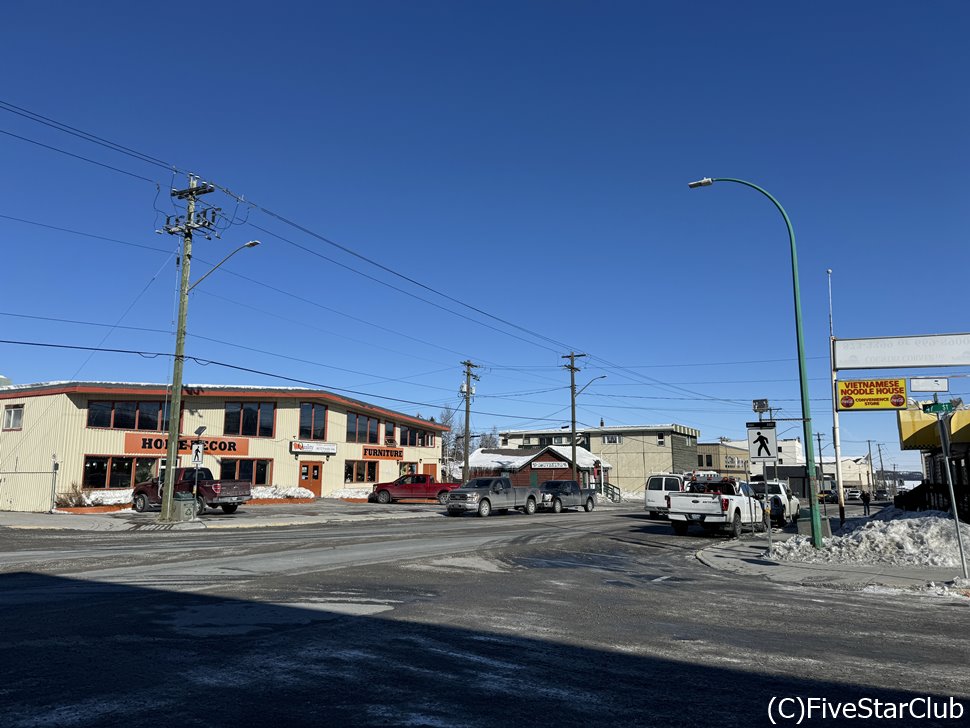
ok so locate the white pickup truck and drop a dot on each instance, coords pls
(723, 505)
(784, 504)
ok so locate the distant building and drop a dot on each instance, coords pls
(730, 460)
(530, 466)
(635, 451)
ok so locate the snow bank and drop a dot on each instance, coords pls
(893, 537)
(112, 497)
(277, 491)
(355, 492)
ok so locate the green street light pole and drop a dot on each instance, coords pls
(802, 375)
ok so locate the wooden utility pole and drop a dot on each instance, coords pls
(571, 366)
(871, 471)
(467, 391)
(183, 227)
(882, 468)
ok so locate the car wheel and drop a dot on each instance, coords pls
(199, 506)
(484, 509)
(736, 525)
(530, 507)
(443, 497)
(589, 505)
(229, 507)
(384, 497)
(680, 527)
(141, 503)
(557, 506)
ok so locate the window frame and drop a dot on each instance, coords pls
(260, 404)
(612, 439)
(162, 418)
(11, 408)
(367, 431)
(313, 420)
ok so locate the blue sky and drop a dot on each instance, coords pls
(529, 159)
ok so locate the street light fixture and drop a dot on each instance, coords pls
(576, 394)
(802, 374)
(168, 513)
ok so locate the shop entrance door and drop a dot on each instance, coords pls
(431, 470)
(311, 476)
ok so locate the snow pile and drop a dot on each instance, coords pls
(113, 497)
(351, 492)
(277, 491)
(893, 537)
(959, 587)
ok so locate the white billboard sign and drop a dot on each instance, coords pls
(903, 352)
(929, 384)
(314, 448)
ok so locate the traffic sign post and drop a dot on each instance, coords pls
(938, 408)
(197, 450)
(763, 447)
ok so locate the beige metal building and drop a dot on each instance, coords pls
(60, 437)
(634, 451)
(731, 461)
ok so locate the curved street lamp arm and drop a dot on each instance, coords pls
(250, 244)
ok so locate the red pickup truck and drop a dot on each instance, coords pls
(225, 494)
(412, 486)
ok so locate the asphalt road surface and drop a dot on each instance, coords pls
(578, 619)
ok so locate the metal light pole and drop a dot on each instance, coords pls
(802, 374)
(168, 514)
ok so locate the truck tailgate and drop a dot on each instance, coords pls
(235, 487)
(708, 504)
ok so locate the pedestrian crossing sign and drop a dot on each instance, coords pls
(762, 441)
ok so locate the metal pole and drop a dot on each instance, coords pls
(468, 415)
(944, 425)
(168, 514)
(836, 438)
(54, 467)
(802, 373)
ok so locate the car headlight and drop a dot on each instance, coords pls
(547, 496)
(473, 497)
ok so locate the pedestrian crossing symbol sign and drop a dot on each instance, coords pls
(762, 441)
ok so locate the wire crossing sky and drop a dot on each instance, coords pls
(499, 182)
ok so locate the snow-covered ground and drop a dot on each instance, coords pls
(892, 537)
(351, 492)
(107, 497)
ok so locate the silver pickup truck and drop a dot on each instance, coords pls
(484, 495)
(726, 505)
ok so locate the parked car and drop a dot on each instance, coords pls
(484, 495)
(656, 490)
(554, 495)
(209, 492)
(783, 504)
(853, 494)
(881, 495)
(724, 505)
(413, 485)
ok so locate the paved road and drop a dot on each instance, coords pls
(571, 619)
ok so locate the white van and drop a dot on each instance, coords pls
(655, 492)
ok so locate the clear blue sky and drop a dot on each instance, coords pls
(529, 159)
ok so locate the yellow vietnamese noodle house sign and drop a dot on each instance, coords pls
(872, 394)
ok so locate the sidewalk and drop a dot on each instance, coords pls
(748, 556)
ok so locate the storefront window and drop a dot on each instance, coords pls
(129, 415)
(360, 471)
(256, 472)
(105, 471)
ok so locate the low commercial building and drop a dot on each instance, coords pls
(60, 437)
(635, 451)
(529, 466)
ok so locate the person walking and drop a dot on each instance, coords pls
(866, 497)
